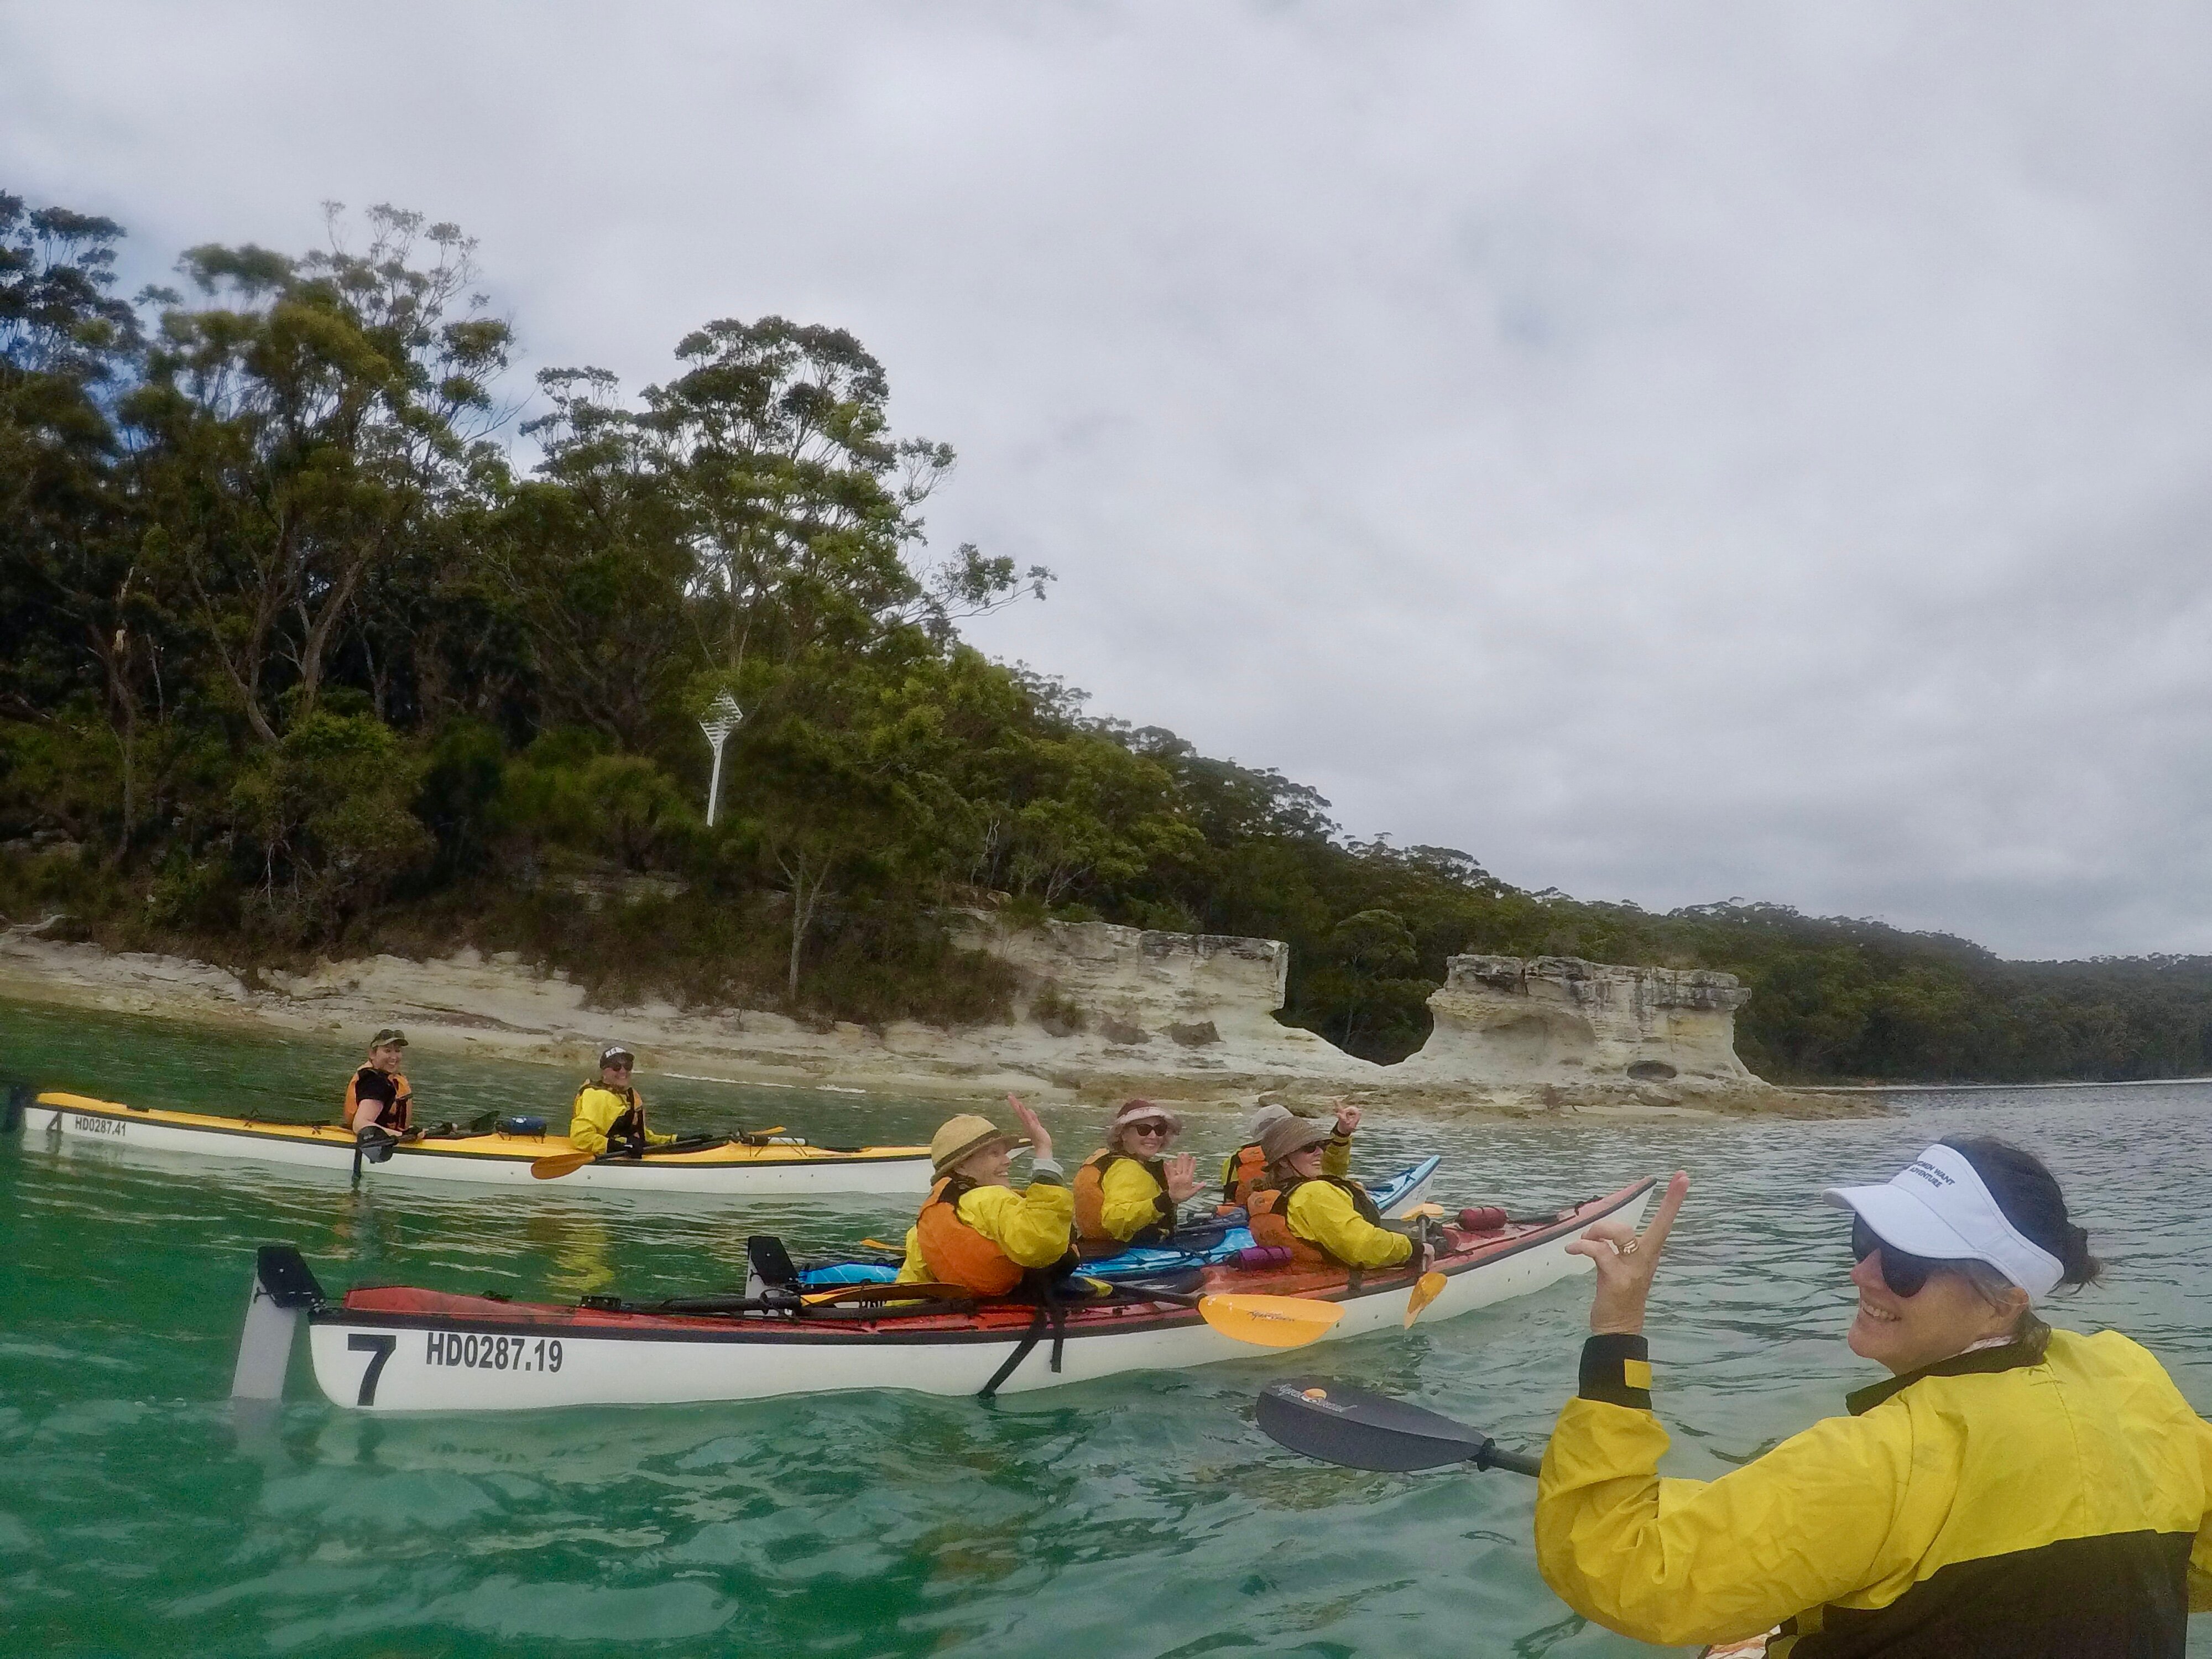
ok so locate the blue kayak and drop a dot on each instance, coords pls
(1209, 1240)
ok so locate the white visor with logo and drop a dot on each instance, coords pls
(1937, 1206)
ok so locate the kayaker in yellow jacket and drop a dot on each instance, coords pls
(609, 1115)
(1126, 1192)
(1313, 1208)
(2011, 1490)
(976, 1230)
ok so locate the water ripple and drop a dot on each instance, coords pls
(1140, 1516)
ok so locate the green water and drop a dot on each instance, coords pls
(1144, 1516)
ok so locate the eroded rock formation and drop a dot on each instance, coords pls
(1101, 1013)
(1562, 1020)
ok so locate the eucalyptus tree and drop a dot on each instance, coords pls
(74, 613)
(594, 560)
(306, 418)
(801, 508)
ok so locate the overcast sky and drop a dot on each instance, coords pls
(1671, 452)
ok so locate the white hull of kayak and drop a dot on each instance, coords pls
(766, 1172)
(1415, 1194)
(426, 1363)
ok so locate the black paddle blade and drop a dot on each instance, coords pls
(1363, 1431)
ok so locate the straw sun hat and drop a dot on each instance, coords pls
(964, 1136)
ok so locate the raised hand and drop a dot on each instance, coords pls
(1625, 1260)
(1183, 1178)
(1347, 1118)
(1040, 1137)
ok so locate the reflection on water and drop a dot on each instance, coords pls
(1140, 1516)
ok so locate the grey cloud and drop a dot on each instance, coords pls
(1671, 452)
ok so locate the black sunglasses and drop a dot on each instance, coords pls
(1906, 1275)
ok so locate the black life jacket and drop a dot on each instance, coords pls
(628, 1127)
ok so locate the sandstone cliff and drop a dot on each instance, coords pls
(1101, 1011)
(1562, 1021)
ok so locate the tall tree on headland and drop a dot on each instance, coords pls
(308, 417)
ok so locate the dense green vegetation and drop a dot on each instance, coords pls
(296, 658)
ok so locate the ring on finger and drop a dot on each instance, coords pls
(1629, 1249)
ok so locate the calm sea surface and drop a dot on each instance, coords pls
(1142, 1516)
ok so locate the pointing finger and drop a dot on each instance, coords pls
(1655, 1236)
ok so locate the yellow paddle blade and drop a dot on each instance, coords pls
(1426, 1289)
(560, 1163)
(1269, 1321)
(1430, 1212)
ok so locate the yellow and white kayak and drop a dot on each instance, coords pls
(778, 1166)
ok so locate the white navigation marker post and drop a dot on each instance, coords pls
(721, 719)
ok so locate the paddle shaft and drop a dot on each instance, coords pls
(1514, 1462)
(553, 1166)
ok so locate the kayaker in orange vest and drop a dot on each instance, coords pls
(378, 1095)
(1245, 1170)
(1311, 1206)
(975, 1229)
(1126, 1192)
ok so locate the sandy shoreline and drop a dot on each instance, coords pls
(500, 1008)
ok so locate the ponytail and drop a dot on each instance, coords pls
(2028, 1194)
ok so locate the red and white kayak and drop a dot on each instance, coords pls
(404, 1349)
(779, 1167)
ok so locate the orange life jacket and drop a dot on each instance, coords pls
(1090, 1189)
(393, 1117)
(1247, 1170)
(956, 1252)
(1270, 1211)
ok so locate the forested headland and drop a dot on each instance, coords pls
(318, 637)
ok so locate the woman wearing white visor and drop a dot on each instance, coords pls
(2011, 1490)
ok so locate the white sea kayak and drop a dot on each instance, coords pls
(408, 1349)
(781, 1166)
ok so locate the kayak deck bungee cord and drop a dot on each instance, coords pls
(402, 1348)
(759, 1166)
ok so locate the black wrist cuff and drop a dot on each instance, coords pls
(1617, 1370)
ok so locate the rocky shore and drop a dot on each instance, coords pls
(1101, 1012)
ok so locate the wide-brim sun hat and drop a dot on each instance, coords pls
(1937, 1208)
(1135, 1112)
(964, 1136)
(1293, 1134)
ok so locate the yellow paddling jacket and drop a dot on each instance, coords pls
(1992, 1504)
(1123, 1199)
(1323, 1220)
(602, 1115)
(1032, 1228)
